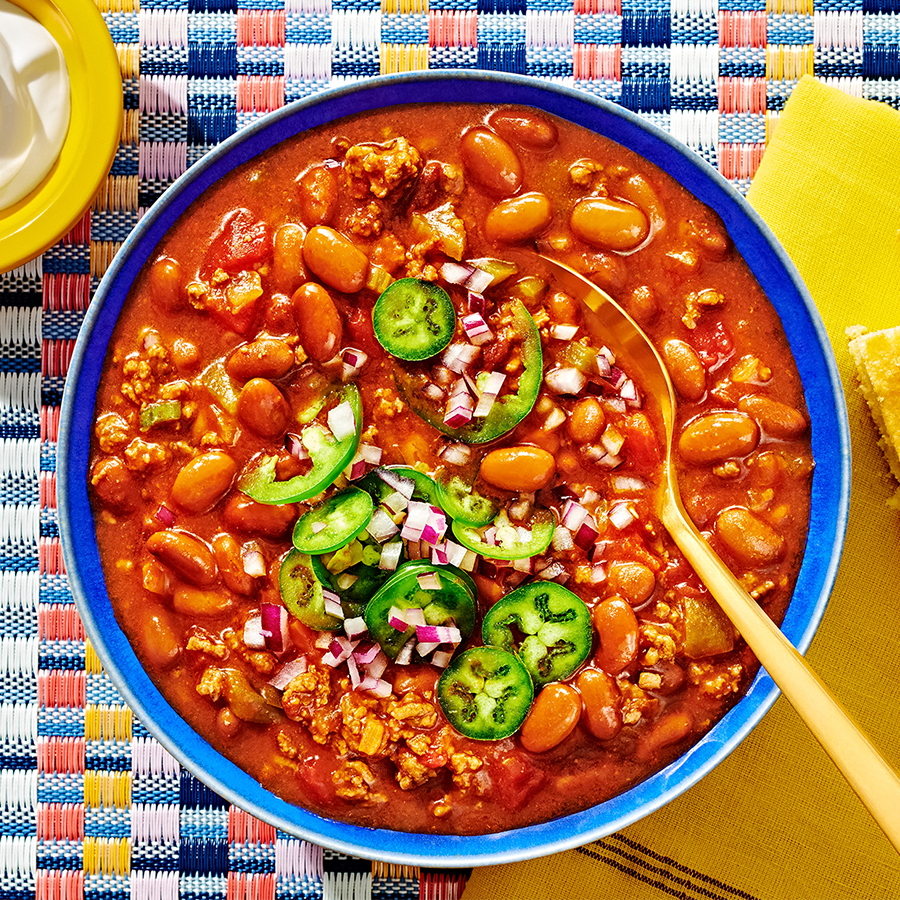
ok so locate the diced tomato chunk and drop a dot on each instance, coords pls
(712, 342)
(217, 305)
(314, 774)
(516, 780)
(642, 448)
(241, 241)
(303, 636)
(359, 324)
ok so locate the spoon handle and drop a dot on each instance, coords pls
(876, 783)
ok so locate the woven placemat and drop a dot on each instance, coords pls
(90, 805)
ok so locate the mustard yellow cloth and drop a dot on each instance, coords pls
(776, 821)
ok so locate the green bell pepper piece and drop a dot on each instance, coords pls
(547, 625)
(160, 412)
(329, 458)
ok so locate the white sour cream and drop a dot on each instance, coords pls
(34, 103)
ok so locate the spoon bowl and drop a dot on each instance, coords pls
(874, 781)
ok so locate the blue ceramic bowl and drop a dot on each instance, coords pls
(776, 275)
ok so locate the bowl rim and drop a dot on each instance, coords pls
(830, 489)
(34, 223)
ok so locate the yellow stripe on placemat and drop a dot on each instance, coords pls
(107, 789)
(118, 192)
(391, 870)
(404, 7)
(801, 7)
(786, 62)
(107, 723)
(107, 856)
(102, 253)
(403, 58)
(129, 60)
(106, 6)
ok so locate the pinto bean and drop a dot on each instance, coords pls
(262, 358)
(617, 626)
(114, 484)
(262, 408)
(518, 219)
(521, 468)
(490, 160)
(203, 481)
(201, 602)
(167, 285)
(230, 559)
(774, 417)
(185, 354)
(244, 514)
(563, 308)
(752, 541)
(318, 321)
(527, 129)
(160, 642)
(288, 271)
(586, 421)
(643, 304)
(318, 195)
(685, 368)
(186, 555)
(672, 726)
(609, 224)
(716, 436)
(336, 260)
(601, 698)
(552, 718)
(632, 580)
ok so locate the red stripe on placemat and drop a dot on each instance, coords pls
(56, 355)
(52, 884)
(447, 885)
(60, 822)
(452, 28)
(739, 160)
(250, 887)
(595, 62)
(261, 27)
(59, 622)
(738, 95)
(742, 29)
(60, 754)
(61, 688)
(246, 829)
(49, 424)
(585, 7)
(259, 93)
(64, 291)
(50, 558)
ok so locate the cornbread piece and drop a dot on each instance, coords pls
(877, 358)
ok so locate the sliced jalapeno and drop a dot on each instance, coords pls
(509, 409)
(414, 319)
(485, 693)
(503, 540)
(301, 593)
(333, 522)
(449, 603)
(355, 585)
(463, 503)
(546, 624)
(423, 565)
(383, 481)
(329, 457)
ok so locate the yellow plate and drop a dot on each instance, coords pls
(37, 221)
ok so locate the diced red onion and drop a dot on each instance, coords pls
(370, 453)
(390, 556)
(375, 686)
(554, 420)
(316, 527)
(525, 564)
(612, 439)
(366, 652)
(432, 392)
(458, 357)
(598, 574)
(455, 454)
(332, 604)
(353, 669)
(399, 483)
(323, 640)
(442, 634)
(151, 339)
(288, 672)
(442, 376)
(439, 555)
(625, 483)
(381, 526)
(563, 332)
(490, 536)
(165, 515)
(607, 354)
(587, 534)
(274, 626)
(424, 522)
(423, 648)
(629, 393)
(448, 552)
(566, 380)
(622, 515)
(573, 514)
(366, 455)
(253, 636)
(415, 616)
(356, 468)
(552, 572)
(519, 509)
(395, 502)
(477, 330)
(397, 618)
(467, 276)
(441, 658)
(616, 403)
(354, 360)
(616, 378)
(562, 539)
(253, 561)
(489, 393)
(610, 461)
(476, 302)
(355, 629)
(377, 666)
(404, 657)
(429, 581)
(469, 561)
(460, 408)
(341, 647)
(342, 421)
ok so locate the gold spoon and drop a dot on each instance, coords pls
(859, 762)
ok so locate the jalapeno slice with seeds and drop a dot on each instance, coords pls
(463, 503)
(449, 602)
(301, 593)
(414, 319)
(485, 693)
(333, 522)
(380, 483)
(554, 626)
(503, 540)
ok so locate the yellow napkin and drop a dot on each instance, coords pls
(776, 821)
